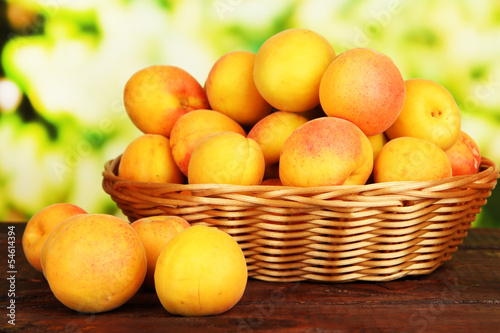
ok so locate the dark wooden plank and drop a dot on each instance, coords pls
(482, 238)
(461, 295)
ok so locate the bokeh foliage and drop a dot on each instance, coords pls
(71, 59)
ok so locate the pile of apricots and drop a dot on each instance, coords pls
(295, 114)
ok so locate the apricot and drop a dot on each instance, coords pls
(40, 226)
(272, 131)
(148, 158)
(52, 236)
(193, 127)
(326, 151)
(200, 272)
(155, 232)
(156, 96)
(377, 141)
(289, 67)
(464, 155)
(96, 263)
(231, 89)
(429, 113)
(411, 159)
(226, 158)
(365, 87)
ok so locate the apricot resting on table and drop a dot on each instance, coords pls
(41, 225)
(155, 232)
(201, 271)
(96, 263)
(52, 236)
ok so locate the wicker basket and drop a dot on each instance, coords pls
(375, 232)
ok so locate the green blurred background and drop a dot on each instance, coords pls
(65, 63)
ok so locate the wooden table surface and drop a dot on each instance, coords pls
(463, 295)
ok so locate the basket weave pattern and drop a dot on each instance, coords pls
(374, 232)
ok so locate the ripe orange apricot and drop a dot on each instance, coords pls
(226, 158)
(289, 67)
(364, 87)
(40, 226)
(155, 232)
(201, 271)
(95, 263)
(231, 88)
(148, 158)
(192, 128)
(156, 96)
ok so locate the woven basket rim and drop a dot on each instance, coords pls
(488, 171)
